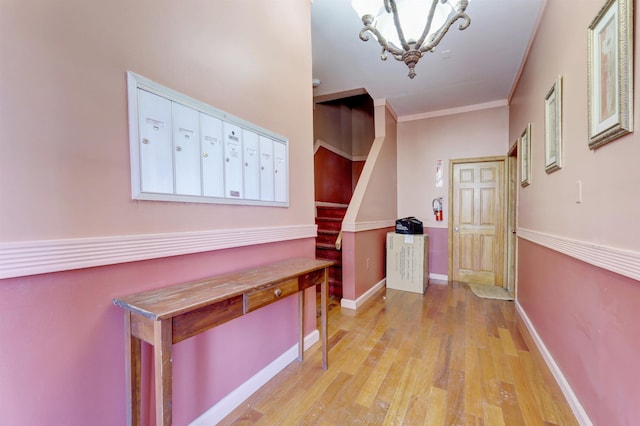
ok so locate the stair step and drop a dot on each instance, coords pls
(329, 221)
(331, 211)
(335, 256)
(335, 289)
(329, 224)
(322, 246)
(328, 232)
(323, 238)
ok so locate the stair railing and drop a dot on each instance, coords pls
(339, 240)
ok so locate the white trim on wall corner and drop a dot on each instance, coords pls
(39, 257)
(567, 391)
(383, 102)
(367, 226)
(320, 143)
(623, 262)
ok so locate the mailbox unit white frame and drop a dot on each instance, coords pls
(263, 184)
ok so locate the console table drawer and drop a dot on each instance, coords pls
(311, 279)
(261, 297)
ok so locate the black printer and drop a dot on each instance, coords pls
(409, 225)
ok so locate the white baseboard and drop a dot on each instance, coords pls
(230, 402)
(439, 277)
(572, 399)
(355, 304)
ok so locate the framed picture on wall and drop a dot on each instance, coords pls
(524, 151)
(553, 127)
(610, 73)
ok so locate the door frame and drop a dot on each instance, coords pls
(452, 162)
(511, 281)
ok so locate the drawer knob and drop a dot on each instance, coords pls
(277, 293)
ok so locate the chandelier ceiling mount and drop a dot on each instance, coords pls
(386, 25)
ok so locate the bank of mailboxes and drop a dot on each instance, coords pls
(184, 151)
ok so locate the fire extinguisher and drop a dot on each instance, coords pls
(437, 208)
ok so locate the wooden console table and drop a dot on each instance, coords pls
(169, 315)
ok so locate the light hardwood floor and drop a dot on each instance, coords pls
(443, 358)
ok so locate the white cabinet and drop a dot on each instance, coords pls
(266, 169)
(232, 136)
(212, 156)
(184, 150)
(156, 156)
(186, 147)
(408, 262)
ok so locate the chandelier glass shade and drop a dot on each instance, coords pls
(409, 28)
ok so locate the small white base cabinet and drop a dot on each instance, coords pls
(408, 262)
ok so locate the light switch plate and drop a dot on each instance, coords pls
(578, 191)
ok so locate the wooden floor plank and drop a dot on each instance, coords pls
(403, 396)
(473, 396)
(492, 415)
(375, 377)
(442, 358)
(436, 407)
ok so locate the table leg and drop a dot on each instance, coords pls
(324, 295)
(133, 350)
(301, 325)
(163, 372)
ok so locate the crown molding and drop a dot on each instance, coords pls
(451, 111)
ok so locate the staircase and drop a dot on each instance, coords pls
(329, 221)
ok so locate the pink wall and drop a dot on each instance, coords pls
(333, 175)
(62, 358)
(438, 250)
(363, 261)
(372, 209)
(609, 174)
(63, 118)
(63, 109)
(588, 318)
(422, 142)
(376, 191)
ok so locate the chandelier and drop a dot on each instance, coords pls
(411, 37)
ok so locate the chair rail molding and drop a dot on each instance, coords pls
(38, 257)
(623, 262)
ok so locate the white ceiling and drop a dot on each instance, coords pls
(480, 67)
